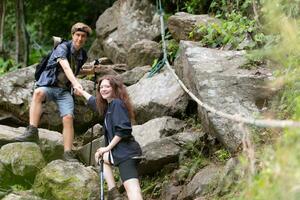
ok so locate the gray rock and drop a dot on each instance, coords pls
(97, 132)
(84, 151)
(156, 129)
(170, 192)
(15, 94)
(133, 76)
(108, 21)
(179, 176)
(158, 154)
(96, 51)
(114, 49)
(51, 142)
(160, 95)
(143, 52)
(182, 24)
(218, 79)
(187, 137)
(124, 24)
(202, 183)
(228, 176)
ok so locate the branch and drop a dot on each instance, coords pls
(256, 15)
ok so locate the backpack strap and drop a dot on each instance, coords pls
(68, 45)
(69, 54)
(84, 58)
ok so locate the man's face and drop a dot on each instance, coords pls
(79, 39)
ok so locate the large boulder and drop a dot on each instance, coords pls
(15, 97)
(219, 78)
(124, 24)
(96, 50)
(133, 76)
(202, 183)
(158, 154)
(66, 181)
(86, 154)
(160, 95)
(170, 191)
(21, 161)
(182, 24)
(188, 137)
(143, 52)
(166, 150)
(155, 129)
(51, 142)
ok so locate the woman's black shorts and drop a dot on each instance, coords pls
(128, 169)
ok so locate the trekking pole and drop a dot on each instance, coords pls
(92, 130)
(101, 178)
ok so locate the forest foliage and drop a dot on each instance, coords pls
(44, 19)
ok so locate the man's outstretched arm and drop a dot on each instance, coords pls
(69, 73)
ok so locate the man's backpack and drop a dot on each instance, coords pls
(43, 63)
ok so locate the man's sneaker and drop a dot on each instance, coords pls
(31, 134)
(69, 156)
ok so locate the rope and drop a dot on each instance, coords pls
(160, 63)
(266, 123)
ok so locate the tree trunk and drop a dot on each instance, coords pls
(2, 16)
(22, 47)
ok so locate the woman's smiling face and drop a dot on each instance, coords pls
(106, 90)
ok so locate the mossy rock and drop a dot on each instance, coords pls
(22, 195)
(67, 181)
(20, 162)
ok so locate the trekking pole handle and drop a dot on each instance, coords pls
(96, 62)
(100, 163)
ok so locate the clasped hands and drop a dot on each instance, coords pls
(78, 90)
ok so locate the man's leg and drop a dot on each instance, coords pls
(68, 132)
(35, 111)
(36, 107)
(68, 135)
(65, 104)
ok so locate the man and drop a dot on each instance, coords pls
(55, 84)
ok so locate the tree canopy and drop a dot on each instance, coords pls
(46, 18)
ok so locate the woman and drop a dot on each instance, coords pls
(112, 101)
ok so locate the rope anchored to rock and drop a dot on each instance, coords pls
(266, 123)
